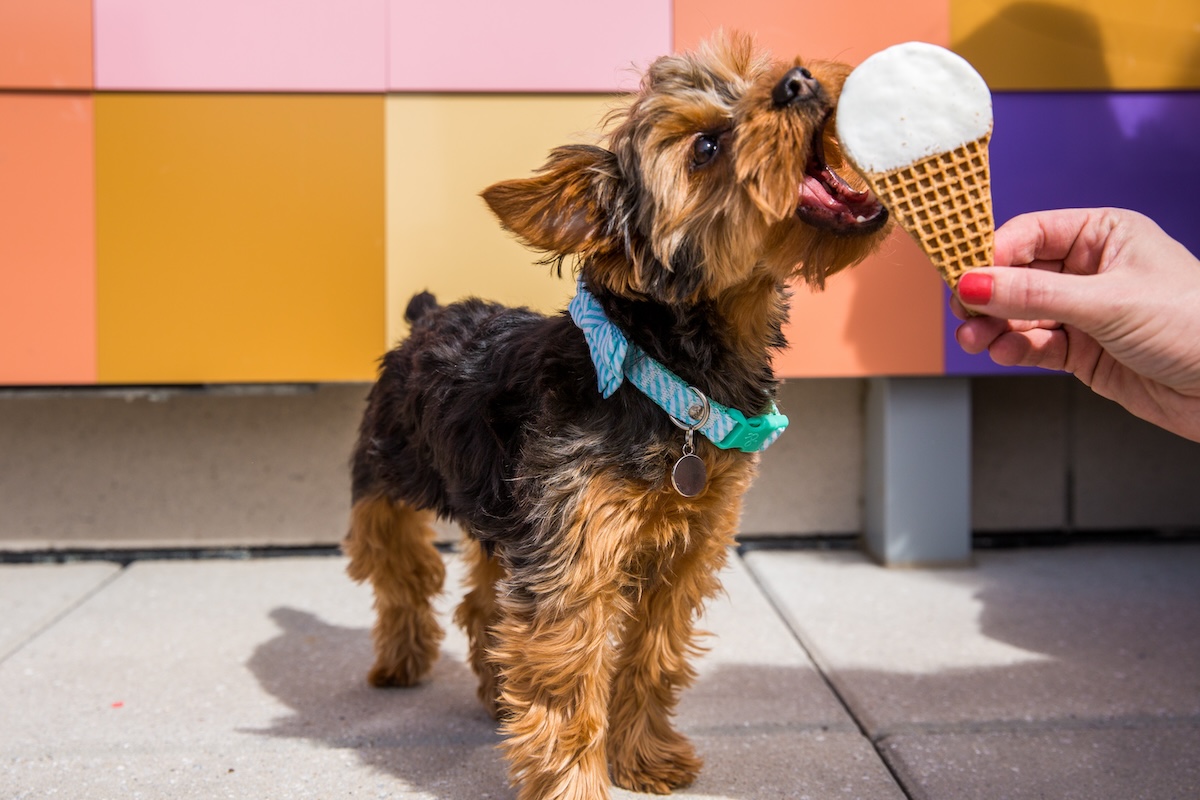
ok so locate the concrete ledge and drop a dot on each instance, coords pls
(153, 469)
(98, 468)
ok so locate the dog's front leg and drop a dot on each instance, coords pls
(646, 753)
(553, 645)
(476, 615)
(556, 672)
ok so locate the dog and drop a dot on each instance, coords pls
(580, 451)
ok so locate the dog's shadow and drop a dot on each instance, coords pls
(435, 737)
(438, 740)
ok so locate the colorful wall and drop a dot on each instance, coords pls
(197, 191)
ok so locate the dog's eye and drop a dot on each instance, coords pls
(704, 149)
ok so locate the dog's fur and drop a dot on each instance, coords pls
(591, 569)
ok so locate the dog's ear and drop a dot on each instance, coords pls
(562, 209)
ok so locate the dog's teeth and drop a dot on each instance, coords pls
(860, 218)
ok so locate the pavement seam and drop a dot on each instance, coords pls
(40, 628)
(1129, 722)
(789, 623)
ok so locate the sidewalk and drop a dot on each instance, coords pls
(1056, 673)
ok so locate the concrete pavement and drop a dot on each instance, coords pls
(1060, 673)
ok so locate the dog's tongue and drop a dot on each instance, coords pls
(826, 199)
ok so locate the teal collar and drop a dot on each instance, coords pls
(617, 359)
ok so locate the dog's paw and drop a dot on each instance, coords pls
(402, 673)
(406, 645)
(657, 768)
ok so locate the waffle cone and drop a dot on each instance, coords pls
(944, 201)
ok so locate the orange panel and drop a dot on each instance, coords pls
(883, 317)
(810, 29)
(46, 44)
(47, 240)
(240, 238)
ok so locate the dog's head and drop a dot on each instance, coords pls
(721, 169)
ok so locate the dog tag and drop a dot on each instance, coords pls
(689, 475)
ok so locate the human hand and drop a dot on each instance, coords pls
(1106, 295)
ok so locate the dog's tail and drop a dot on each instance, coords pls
(419, 306)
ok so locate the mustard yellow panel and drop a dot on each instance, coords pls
(1080, 44)
(443, 150)
(240, 238)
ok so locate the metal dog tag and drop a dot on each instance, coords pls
(689, 476)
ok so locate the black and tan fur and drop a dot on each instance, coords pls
(590, 569)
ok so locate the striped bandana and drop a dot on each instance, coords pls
(616, 358)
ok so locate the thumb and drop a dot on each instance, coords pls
(1033, 294)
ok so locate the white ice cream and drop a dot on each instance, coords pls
(908, 102)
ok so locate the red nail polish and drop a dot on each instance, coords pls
(975, 289)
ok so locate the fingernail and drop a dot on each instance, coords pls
(975, 289)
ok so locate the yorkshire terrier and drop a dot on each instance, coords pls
(598, 457)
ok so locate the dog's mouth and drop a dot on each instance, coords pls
(828, 202)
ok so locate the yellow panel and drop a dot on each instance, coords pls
(443, 150)
(1080, 44)
(240, 238)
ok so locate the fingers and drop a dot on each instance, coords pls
(1085, 285)
(1014, 328)
(1034, 294)
(1013, 344)
(1033, 237)
(1052, 239)
(1035, 348)
(976, 334)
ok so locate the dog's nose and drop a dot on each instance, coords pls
(796, 86)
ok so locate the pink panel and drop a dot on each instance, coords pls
(241, 45)
(524, 45)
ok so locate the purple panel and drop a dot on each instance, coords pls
(1062, 150)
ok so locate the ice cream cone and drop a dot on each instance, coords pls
(915, 120)
(944, 202)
